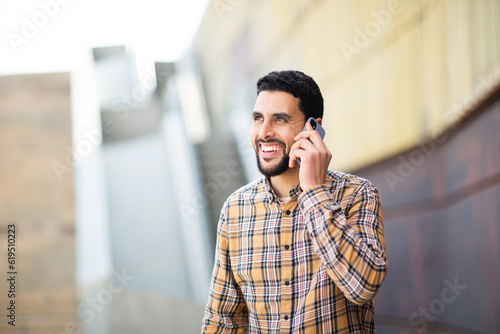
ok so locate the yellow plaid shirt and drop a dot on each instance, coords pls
(311, 265)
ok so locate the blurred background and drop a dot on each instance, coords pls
(124, 126)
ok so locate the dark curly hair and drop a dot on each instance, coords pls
(299, 85)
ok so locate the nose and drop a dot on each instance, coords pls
(266, 130)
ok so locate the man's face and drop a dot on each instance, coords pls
(277, 119)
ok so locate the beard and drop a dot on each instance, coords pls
(275, 170)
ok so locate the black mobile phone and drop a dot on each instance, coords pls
(316, 126)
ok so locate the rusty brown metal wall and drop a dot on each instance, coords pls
(441, 204)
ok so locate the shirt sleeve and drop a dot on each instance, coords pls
(348, 239)
(226, 310)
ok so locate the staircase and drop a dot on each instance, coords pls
(222, 173)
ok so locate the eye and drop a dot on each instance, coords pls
(257, 118)
(280, 119)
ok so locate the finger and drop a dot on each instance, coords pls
(308, 127)
(304, 145)
(310, 134)
(302, 148)
(293, 157)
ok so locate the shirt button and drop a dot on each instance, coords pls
(287, 282)
(287, 247)
(286, 317)
(288, 212)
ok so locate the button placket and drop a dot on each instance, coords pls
(286, 264)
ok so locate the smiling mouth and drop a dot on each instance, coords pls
(270, 148)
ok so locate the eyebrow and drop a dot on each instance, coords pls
(256, 113)
(278, 114)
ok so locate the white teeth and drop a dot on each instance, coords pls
(270, 148)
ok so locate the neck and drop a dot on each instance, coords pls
(283, 183)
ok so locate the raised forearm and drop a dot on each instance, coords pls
(351, 244)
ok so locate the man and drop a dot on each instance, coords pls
(300, 250)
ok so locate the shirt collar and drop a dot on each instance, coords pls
(293, 193)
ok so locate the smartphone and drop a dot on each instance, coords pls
(315, 125)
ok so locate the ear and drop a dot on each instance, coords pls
(320, 121)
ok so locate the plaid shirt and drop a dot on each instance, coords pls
(311, 265)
